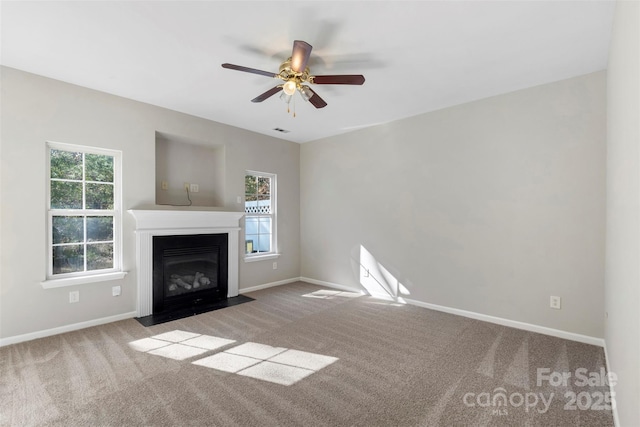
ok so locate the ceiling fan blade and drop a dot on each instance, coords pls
(315, 100)
(248, 70)
(344, 79)
(300, 55)
(267, 94)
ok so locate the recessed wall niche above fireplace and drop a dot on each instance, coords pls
(180, 161)
(203, 257)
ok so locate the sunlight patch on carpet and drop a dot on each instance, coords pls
(147, 344)
(255, 350)
(207, 342)
(263, 362)
(178, 351)
(331, 294)
(176, 336)
(227, 362)
(276, 373)
(179, 345)
(277, 365)
(303, 359)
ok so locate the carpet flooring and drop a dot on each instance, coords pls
(302, 356)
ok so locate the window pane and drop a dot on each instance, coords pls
(68, 259)
(100, 256)
(68, 229)
(99, 196)
(251, 225)
(99, 228)
(251, 241)
(251, 206)
(264, 226)
(66, 195)
(264, 244)
(258, 229)
(264, 186)
(98, 168)
(264, 205)
(66, 164)
(250, 184)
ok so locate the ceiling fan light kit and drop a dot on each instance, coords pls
(289, 87)
(306, 92)
(296, 76)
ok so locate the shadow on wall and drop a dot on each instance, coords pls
(376, 280)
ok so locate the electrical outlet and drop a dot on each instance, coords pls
(195, 188)
(116, 290)
(275, 265)
(74, 296)
(555, 302)
(239, 199)
(187, 186)
(164, 185)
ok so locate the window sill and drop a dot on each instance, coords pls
(266, 257)
(81, 280)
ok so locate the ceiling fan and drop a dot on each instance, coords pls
(296, 76)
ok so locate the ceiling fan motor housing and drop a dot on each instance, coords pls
(287, 74)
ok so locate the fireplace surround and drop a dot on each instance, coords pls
(160, 222)
(189, 271)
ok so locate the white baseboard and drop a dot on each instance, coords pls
(67, 328)
(511, 323)
(268, 285)
(470, 314)
(614, 408)
(331, 285)
(478, 316)
(76, 326)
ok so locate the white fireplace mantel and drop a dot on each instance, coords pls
(159, 222)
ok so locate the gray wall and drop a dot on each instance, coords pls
(36, 109)
(623, 211)
(491, 206)
(180, 161)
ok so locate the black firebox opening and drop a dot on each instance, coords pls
(189, 271)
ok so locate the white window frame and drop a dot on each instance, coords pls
(273, 254)
(81, 277)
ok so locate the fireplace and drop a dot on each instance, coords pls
(178, 224)
(189, 271)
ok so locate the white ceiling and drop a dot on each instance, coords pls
(416, 56)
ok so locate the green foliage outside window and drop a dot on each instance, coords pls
(81, 182)
(257, 188)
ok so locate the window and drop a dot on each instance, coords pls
(84, 211)
(260, 213)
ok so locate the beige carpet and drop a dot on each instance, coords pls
(397, 365)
